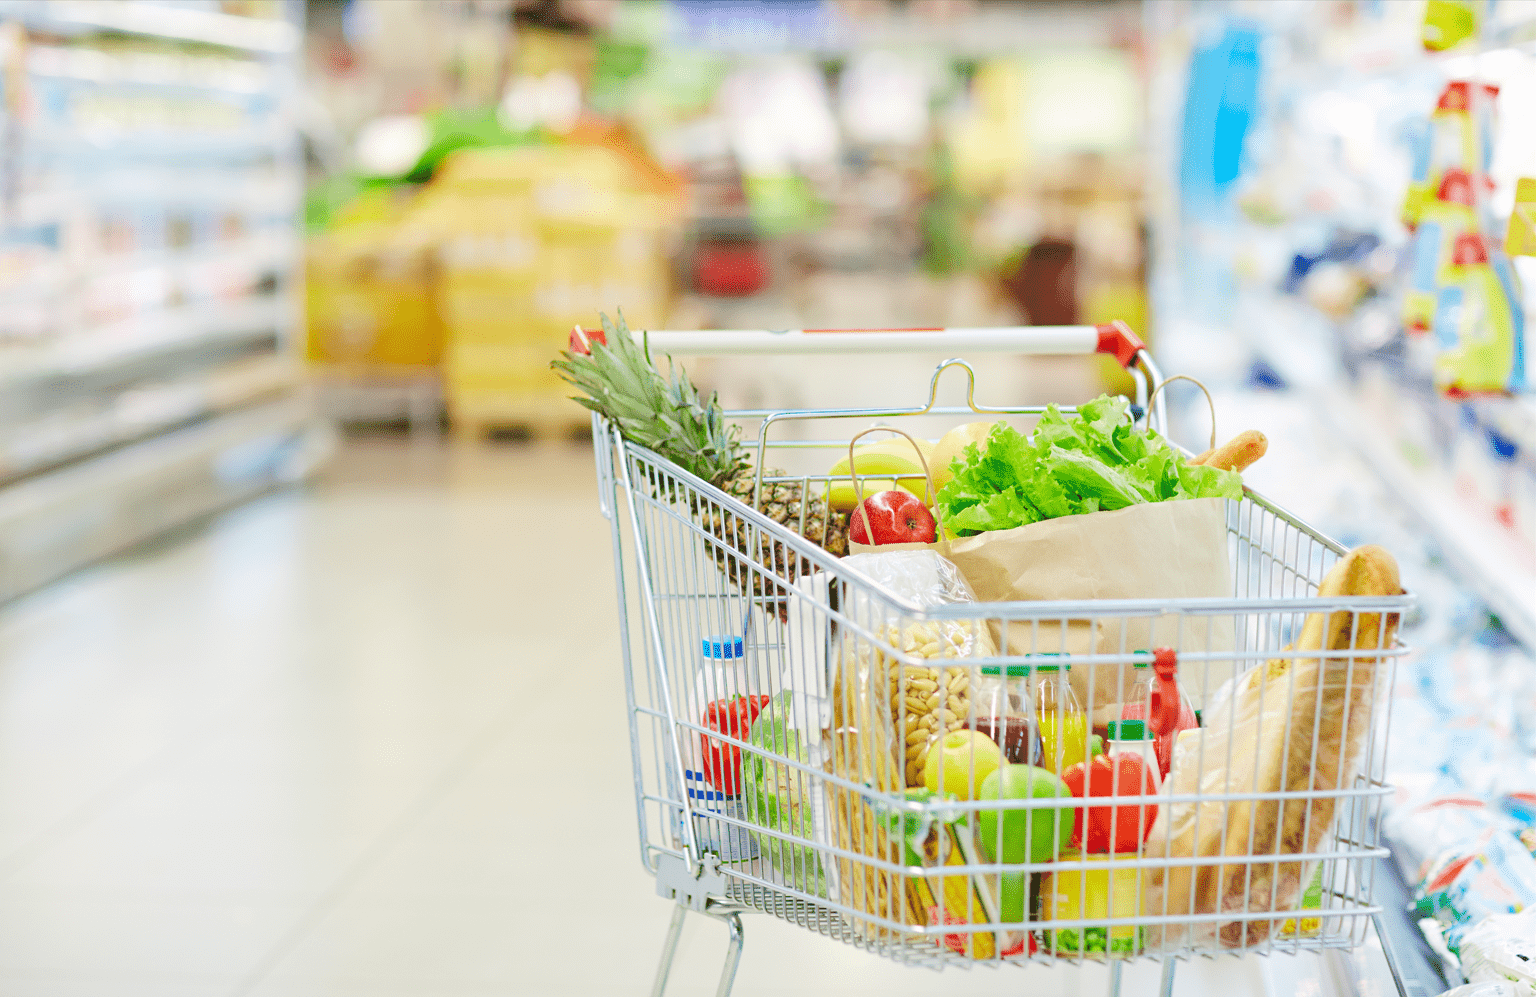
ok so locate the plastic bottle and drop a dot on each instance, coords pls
(1002, 707)
(720, 678)
(1063, 725)
(722, 670)
(1165, 707)
(1476, 325)
(1132, 737)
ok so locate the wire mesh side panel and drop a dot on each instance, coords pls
(801, 764)
(732, 752)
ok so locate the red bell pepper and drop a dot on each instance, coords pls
(733, 718)
(1119, 828)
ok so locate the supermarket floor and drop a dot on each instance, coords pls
(368, 738)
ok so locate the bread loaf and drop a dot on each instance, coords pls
(1237, 454)
(1295, 724)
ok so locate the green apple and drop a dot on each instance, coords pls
(964, 758)
(1014, 895)
(1026, 835)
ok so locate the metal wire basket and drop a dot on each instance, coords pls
(818, 829)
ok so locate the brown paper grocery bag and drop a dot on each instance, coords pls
(1159, 550)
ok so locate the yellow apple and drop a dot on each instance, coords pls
(959, 761)
(953, 445)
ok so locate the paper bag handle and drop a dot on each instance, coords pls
(1208, 400)
(858, 486)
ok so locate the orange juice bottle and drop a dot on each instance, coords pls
(1063, 724)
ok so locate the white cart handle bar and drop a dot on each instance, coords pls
(1113, 338)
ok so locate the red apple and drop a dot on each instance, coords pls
(894, 517)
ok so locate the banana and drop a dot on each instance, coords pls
(844, 498)
(893, 458)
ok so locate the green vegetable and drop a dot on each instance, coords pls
(1096, 460)
(1091, 942)
(913, 827)
(774, 795)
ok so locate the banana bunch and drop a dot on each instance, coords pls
(882, 466)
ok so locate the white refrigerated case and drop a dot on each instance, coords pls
(151, 178)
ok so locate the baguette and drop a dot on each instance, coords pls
(1262, 740)
(1237, 453)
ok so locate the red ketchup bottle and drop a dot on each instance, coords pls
(1170, 710)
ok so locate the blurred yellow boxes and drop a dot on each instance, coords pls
(369, 293)
(542, 238)
(484, 272)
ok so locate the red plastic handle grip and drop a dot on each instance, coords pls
(1117, 339)
(1165, 695)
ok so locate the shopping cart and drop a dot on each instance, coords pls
(717, 600)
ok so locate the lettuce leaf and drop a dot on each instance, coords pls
(1093, 460)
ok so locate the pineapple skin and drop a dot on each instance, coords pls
(780, 502)
(667, 415)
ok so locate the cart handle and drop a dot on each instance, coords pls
(1113, 338)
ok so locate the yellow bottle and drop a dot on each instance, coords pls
(1110, 894)
(1063, 725)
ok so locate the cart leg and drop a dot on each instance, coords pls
(1166, 990)
(732, 921)
(668, 950)
(1114, 979)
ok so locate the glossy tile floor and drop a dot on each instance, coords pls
(368, 738)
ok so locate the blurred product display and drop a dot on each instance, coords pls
(1355, 256)
(837, 165)
(228, 226)
(149, 185)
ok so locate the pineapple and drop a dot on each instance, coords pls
(667, 416)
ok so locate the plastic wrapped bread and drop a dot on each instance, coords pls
(1298, 724)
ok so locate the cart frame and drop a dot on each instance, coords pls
(683, 839)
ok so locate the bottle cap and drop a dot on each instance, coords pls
(1056, 664)
(1127, 730)
(723, 646)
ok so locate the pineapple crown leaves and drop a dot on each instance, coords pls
(664, 414)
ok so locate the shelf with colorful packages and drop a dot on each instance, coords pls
(1401, 346)
(148, 275)
(1461, 287)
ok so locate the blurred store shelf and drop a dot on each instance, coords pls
(146, 337)
(1496, 563)
(149, 276)
(156, 21)
(98, 424)
(52, 523)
